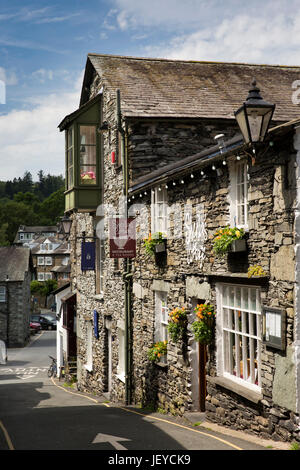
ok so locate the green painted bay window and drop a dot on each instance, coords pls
(83, 157)
(88, 155)
(70, 158)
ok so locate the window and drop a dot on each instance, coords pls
(100, 266)
(239, 194)
(41, 261)
(161, 316)
(121, 363)
(159, 210)
(41, 277)
(89, 347)
(87, 151)
(48, 276)
(2, 294)
(48, 260)
(239, 334)
(70, 158)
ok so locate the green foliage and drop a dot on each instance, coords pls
(36, 287)
(151, 241)
(224, 237)
(177, 323)
(28, 203)
(203, 326)
(157, 350)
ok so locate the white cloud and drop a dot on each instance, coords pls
(30, 139)
(239, 39)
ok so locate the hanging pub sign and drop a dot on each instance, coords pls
(87, 256)
(122, 237)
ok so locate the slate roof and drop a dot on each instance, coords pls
(14, 262)
(190, 89)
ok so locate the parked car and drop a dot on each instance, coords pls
(46, 321)
(35, 324)
(49, 321)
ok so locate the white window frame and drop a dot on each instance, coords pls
(161, 318)
(101, 264)
(2, 294)
(41, 261)
(89, 347)
(159, 210)
(41, 277)
(48, 260)
(239, 323)
(121, 362)
(48, 276)
(239, 183)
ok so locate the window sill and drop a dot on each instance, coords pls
(99, 297)
(251, 395)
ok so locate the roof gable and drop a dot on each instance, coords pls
(190, 89)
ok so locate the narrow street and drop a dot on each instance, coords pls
(39, 413)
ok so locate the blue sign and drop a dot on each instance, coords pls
(96, 331)
(87, 256)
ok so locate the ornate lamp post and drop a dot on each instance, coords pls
(254, 116)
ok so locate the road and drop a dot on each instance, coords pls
(39, 413)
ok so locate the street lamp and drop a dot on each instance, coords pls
(66, 223)
(254, 116)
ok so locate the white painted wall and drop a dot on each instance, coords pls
(61, 333)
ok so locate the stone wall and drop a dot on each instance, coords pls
(270, 244)
(15, 313)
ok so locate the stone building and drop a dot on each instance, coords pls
(16, 272)
(142, 143)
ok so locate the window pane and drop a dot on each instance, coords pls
(88, 174)
(87, 135)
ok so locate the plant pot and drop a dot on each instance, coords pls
(238, 246)
(160, 247)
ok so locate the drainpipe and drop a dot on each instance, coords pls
(297, 272)
(127, 275)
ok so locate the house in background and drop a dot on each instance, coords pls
(142, 127)
(27, 234)
(16, 273)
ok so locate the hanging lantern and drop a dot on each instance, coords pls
(254, 116)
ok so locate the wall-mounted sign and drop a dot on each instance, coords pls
(87, 256)
(122, 237)
(274, 332)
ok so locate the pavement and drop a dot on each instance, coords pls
(197, 417)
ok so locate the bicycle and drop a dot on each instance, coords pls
(52, 371)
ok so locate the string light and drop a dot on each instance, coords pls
(202, 173)
(213, 167)
(192, 176)
(224, 162)
(166, 186)
(182, 181)
(174, 184)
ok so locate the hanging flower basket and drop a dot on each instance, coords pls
(158, 350)
(177, 323)
(204, 323)
(155, 243)
(229, 239)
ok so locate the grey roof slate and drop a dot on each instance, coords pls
(190, 89)
(14, 262)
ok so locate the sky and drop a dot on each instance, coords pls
(44, 46)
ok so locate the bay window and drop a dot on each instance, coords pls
(239, 334)
(70, 158)
(87, 150)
